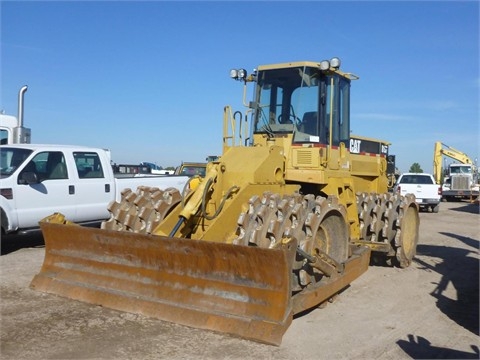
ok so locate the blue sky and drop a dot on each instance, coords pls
(149, 80)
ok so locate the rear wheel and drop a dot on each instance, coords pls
(389, 219)
(406, 238)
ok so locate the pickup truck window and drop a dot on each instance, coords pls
(416, 179)
(47, 165)
(88, 165)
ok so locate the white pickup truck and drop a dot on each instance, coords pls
(38, 180)
(428, 194)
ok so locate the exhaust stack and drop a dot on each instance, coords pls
(21, 135)
(21, 94)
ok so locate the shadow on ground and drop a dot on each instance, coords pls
(468, 208)
(460, 270)
(418, 347)
(16, 242)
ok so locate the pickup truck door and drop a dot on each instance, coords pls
(94, 188)
(51, 194)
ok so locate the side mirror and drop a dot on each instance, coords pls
(28, 177)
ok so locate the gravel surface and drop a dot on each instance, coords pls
(429, 310)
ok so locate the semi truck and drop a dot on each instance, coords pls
(459, 180)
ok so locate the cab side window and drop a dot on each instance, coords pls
(47, 165)
(88, 165)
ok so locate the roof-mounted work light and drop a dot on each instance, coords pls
(335, 62)
(325, 65)
(238, 74)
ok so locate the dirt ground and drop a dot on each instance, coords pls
(429, 310)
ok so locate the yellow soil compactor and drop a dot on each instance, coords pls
(294, 209)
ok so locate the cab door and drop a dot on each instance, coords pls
(50, 194)
(94, 187)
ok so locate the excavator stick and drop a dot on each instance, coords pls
(240, 290)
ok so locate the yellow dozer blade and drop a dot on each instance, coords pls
(216, 286)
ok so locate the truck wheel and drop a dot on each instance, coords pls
(4, 221)
(436, 208)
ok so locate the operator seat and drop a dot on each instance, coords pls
(309, 123)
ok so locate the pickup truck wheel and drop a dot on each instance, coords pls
(4, 221)
(436, 208)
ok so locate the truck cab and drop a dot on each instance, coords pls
(11, 133)
(461, 182)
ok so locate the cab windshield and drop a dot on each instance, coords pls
(460, 170)
(11, 158)
(303, 101)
